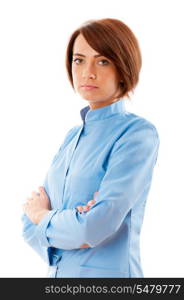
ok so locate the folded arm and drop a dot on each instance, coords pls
(29, 228)
(129, 172)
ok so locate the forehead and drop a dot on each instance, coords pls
(81, 46)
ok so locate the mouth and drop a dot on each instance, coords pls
(88, 87)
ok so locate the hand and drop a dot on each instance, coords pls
(86, 208)
(37, 206)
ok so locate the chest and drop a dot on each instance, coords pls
(79, 169)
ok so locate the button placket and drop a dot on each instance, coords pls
(70, 158)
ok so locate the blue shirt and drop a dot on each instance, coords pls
(113, 152)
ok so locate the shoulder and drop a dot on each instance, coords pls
(136, 132)
(71, 133)
(138, 125)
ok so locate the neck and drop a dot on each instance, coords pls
(95, 105)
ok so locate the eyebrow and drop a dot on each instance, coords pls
(79, 54)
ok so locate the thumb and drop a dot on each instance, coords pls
(41, 189)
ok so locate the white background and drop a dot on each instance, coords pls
(38, 107)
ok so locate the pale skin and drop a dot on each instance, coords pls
(91, 68)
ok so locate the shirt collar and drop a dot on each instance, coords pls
(102, 113)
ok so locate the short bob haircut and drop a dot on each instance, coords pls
(115, 40)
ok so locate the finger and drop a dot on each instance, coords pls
(79, 208)
(91, 202)
(41, 189)
(29, 199)
(86, 208)
(84, 246)
(35, 194)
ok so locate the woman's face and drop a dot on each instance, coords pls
(90, 68)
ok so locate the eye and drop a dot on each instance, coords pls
(104, 60)
(78, 61)
(75, 60)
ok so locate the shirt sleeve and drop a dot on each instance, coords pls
(29, 228)
(129, 173)
(29, 236)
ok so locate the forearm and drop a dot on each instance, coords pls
(40, 215)
(30, 238)
(68, 229)
(128, 177)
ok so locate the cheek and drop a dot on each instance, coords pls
(75, 71)
(109, 80)
(108, 75)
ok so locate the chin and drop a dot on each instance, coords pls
(91, 98)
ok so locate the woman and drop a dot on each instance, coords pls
(86, 219)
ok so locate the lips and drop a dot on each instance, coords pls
(89, 86)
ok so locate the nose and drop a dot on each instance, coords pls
(89, 72)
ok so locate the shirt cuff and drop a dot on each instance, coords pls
(41, 228)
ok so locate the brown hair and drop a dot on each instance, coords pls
(115, 40)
